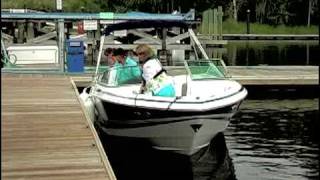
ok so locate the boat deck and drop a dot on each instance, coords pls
(45, 133)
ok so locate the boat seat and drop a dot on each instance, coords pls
(184, 89)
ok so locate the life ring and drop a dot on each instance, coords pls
(12, 58)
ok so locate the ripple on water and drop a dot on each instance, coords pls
(275, 139)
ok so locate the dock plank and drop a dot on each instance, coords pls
(45, 133)
(248, 75)
(275, 75)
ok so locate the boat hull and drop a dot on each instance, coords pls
(178, 131)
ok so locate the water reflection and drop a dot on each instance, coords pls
(275, 139)
(268, 52)
(135, 159)
(267, 139)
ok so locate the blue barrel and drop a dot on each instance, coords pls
(75, 55)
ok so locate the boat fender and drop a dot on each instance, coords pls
(100, 108)
(88, 104)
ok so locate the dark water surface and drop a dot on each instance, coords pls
(275, 139)
(270, 52)
(267, 139)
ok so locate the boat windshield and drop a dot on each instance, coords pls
(206, 69)
(121, 75)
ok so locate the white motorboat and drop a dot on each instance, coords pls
(203, 106)
(204, 103)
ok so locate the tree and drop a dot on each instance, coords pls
(311, 9)
(261, 10)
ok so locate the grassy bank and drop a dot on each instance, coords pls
(232, 27)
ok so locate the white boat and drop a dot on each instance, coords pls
(204, 103)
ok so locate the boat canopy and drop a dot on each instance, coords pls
(97, 16)
(136, 24)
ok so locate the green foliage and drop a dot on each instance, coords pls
(50, 5)
(232, 27)
(274, 12)
(81, 6)
(44, 5)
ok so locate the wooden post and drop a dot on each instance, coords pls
(97, 37)
(163, 55)
(94, 46)
(164, 37)
(38, 27)
(210, 52)
(90, 46)
(61, 37)
(21, 30)
(15, 32)
(215, 23)
(220, 53)
(61, 44)
(211, 22)
(205, 22)
(30, 30)
(90, 54)
(98, 32)
(201, 24)
(220, 16)
(215, 53)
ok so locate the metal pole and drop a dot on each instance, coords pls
(194, 38)
(102, 38)
(248, 21)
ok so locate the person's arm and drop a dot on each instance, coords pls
(135, 69)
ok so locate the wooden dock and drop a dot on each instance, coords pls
(275, 75)
(250, 75)
(45, 133)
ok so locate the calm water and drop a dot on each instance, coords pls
(270, 52)
(267, 139)
(275, 139)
